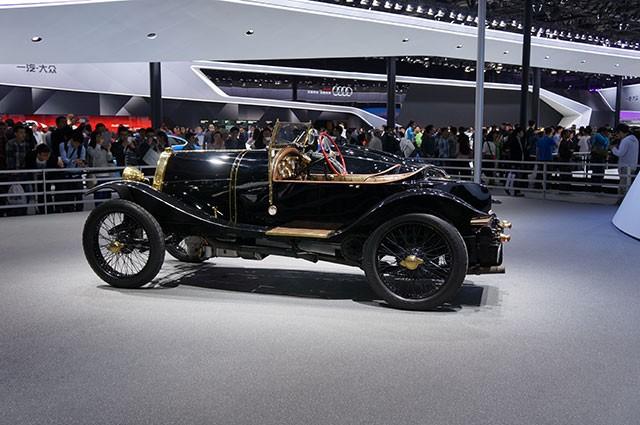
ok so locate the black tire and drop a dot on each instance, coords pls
(138, 239)
(407, 265)
(180, 254)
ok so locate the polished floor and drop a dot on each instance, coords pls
(554, 341)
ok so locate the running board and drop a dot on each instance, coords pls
(298, 232)
(486, 270)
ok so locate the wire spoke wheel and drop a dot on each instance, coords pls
(416, 261)
(413, 260)
(123, 244)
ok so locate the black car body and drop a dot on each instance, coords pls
(302, 197)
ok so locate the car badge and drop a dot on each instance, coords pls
(273, 210)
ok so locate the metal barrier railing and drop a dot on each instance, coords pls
(601, 180)
(54, 189)
(60, 190)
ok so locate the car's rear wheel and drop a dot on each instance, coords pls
(123, 244)
(183, 249)
(415, 261)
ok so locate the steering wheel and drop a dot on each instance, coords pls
(332, 154)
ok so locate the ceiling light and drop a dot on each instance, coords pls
(249, 32)
(152, 36)
(554, 72)
(617, 65)
(36, 39)
(459, 46)
(506, 52)
(546, 58)
(404, 40)
(583, 61)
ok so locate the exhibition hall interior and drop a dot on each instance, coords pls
(319, 211)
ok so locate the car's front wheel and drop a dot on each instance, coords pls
(415, 261)
(123, 244)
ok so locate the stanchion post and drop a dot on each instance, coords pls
(44, 191)
(544, 180)
(479, 118)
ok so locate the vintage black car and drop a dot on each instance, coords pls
(415, 231)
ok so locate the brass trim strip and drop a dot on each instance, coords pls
(233, 185)
(356, 179)
(481, 221)
(300, 232)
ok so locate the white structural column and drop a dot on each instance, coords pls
(477, 141)
(627, 216)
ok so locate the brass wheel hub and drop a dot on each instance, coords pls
(411, 262)
(115, 247)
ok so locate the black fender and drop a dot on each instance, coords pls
(428, 200)
(173, 214)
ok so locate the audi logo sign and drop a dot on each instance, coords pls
(336, 91)
(342, 91)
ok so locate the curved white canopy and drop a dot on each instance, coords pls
(75, 31)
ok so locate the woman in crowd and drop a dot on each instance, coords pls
(565, 154)
(99, 156)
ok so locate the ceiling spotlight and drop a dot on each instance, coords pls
(404, 40)
(506, 52)
(152, 36)
(459, 46)
(430, 12)
(617, 65)
(36, 39)
(249, 32)
(583, 61)
(388, 5)
(547, 57)
(554, 72)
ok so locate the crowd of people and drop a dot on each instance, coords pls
(71, 148)
(506, 142)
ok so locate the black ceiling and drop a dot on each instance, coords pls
(614, 23)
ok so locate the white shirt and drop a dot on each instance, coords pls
(627, 152)
(407, 147)
(584, 144)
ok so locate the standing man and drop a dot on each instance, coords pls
(545, 146)
(410, 134)
(60, 135)
(16, 149)
(232, 141)
(627, 153)
(428, 146)
(118, 146)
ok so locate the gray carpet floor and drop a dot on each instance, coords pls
(553, 341)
